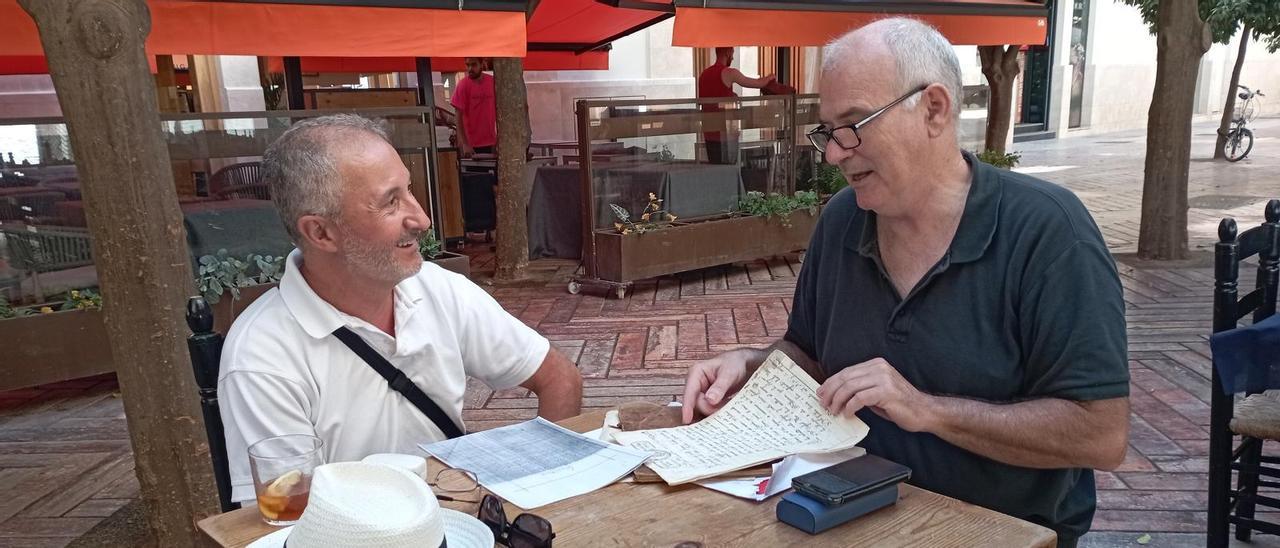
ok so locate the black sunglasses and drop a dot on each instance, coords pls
(847, 136)
(526, 531)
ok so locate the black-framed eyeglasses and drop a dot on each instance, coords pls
(526, 531)
(847, 137)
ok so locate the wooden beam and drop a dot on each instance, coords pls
(95, 54)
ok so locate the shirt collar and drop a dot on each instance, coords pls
(977, 222)
(319, 318)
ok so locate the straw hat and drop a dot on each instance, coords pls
(363, 505)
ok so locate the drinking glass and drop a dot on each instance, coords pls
(282, 467)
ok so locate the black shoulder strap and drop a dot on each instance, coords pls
(399, 382)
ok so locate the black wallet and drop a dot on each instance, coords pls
(850, 479)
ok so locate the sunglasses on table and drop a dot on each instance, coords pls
(526, 531)
(847, 137)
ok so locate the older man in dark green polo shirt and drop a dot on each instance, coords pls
(971, 316)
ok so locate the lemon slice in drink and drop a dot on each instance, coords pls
(285, 483)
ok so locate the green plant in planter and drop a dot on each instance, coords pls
(82, 299)
(223, 273)
(9, 311)
(653, 216)
(779, 205)
(430, 247)
(827, 179)
(1001, 160)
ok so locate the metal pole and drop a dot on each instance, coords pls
(293, 82)
(427, 98)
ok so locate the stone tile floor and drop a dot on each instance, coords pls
(65, 460)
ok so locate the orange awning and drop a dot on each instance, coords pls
(590, 23)
(183, 27)
(534, 60)
(814, 23)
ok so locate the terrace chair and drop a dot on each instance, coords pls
(40, 249)
(254, 191)
(205, 346)
(1256, 416)
(39, 203)
(236, 175)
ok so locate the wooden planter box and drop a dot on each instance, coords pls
(454, 262)
(56, 347)
(625, 258)
(62, 346)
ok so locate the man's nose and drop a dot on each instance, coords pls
(418, 218)
(834, 153)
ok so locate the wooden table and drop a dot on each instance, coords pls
(651, 514)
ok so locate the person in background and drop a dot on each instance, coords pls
(476, 105)
(718, 80)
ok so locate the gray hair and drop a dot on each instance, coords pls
(922, 55)
(301, 167)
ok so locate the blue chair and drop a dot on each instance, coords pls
(1257, 416)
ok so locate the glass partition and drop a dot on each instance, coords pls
(649, 164)
(215, 158)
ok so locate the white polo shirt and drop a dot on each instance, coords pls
(283, 371)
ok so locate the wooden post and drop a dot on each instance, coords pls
(95, 54)
(513, 194)
(167, 85)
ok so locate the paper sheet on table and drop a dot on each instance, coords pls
(535, 463)
(776, 414)
(783, 473)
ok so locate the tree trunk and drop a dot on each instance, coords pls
(1182, 38)
(99, 69)
(513, 193)
(1220, 147)
(1000, 66)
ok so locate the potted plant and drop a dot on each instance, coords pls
(59, 341)
(432, 250)
(245, 280)
(659, 244)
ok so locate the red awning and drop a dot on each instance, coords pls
(183, 27)
(534, 60)
(590, 23)
(713, 23)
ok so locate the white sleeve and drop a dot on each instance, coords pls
(255, 406)
(497, 348)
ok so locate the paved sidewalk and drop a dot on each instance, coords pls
(65, 461)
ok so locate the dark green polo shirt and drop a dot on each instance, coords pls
(1025, 304)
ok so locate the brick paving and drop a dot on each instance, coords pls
(65, 461)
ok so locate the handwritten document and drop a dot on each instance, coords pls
(776, 414)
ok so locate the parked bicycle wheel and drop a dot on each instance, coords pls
(1239, 143)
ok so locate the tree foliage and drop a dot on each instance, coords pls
(1224, 18)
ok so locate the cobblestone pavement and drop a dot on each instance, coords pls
(65, 461)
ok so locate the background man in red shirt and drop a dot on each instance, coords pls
(474, 100)
(717, 81)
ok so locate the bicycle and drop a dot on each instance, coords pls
(1240, 138)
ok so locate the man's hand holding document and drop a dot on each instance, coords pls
(776, 414)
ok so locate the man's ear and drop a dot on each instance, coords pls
(939, 108)
(318, 233)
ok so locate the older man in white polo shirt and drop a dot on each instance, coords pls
(343, 194)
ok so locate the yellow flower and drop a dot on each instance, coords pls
(46, 310)
(75, 294)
